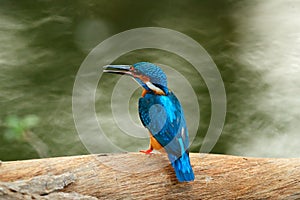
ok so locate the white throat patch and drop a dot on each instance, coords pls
(156, 90)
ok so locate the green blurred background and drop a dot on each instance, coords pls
(255, 44)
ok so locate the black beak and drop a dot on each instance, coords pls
(118, 69)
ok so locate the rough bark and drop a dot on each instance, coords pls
(139, 176)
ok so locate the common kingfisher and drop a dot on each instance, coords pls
(161, 113)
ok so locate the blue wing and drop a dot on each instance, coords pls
(164, 117)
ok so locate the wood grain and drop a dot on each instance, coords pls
(139, 176)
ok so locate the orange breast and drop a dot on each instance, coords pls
(153, 142)
(144, 92)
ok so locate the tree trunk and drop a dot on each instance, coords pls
(139, 176)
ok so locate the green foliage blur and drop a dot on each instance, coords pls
(18, 127)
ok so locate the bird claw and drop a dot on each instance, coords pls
(148, 151)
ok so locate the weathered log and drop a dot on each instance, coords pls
(139, 176)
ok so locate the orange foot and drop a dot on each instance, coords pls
(148, 151)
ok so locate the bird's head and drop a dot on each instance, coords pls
(148, 75)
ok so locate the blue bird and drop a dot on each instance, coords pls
(161, 113)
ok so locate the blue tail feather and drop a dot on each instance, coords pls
(183, 168)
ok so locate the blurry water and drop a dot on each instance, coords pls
(255, 45)
(37, 72)
(269, 43)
